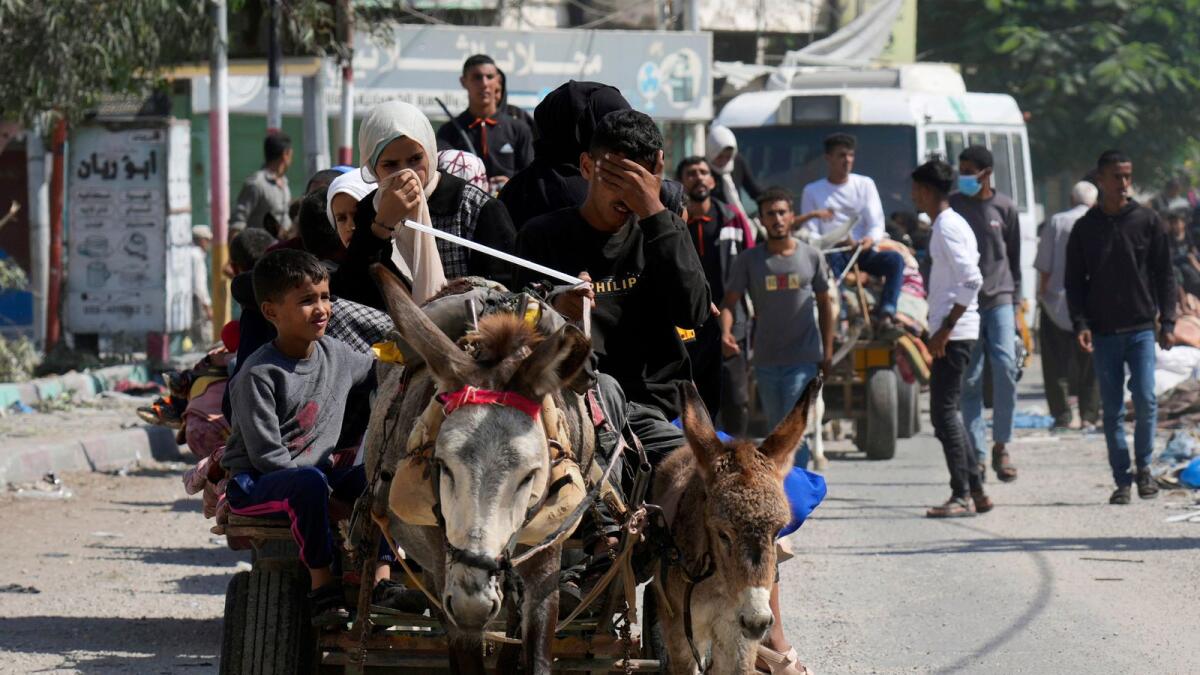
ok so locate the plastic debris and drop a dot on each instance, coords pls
(1190, 476)
(20, 408)
(49, 487)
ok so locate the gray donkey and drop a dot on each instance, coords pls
(488, 460)
(725, 504)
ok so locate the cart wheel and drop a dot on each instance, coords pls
(278, 638)
(909, 409)
(233, 627)
(879, 441)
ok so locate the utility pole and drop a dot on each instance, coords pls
(57, 184)
(345, 24)
(39, 225)
(274, 56)
(316, 122)
(218, 150)
(691, 22)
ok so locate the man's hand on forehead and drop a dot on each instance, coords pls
(636, 186)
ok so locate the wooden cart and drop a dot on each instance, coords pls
(268, 630)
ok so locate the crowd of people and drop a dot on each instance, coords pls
(687, 283)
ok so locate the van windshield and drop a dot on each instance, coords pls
(793, 157)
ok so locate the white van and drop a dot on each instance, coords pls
(899, 123)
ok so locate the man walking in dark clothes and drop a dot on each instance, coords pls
(646, 278)
(719, 236)
(993, 218)
(1119, 285)
(954, 281)
(504, 142)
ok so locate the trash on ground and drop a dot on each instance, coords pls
(1032, 420)
(49, 487)
(17, 588)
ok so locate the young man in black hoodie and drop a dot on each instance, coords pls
(645, 277)
(1119, 283)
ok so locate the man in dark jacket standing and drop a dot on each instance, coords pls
(1119, 282)
(719, 234)
(994, 221)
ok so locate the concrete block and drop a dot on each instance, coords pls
(24, 463)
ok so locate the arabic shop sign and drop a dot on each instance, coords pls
(128, 266)
(665, 74)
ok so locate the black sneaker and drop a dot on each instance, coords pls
(1147, 486)
(1120, 495)
(328, 605)
(396, 596)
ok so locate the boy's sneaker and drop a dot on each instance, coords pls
(1120, 495)
(396, 596)
(1147, 486)
(328, 605)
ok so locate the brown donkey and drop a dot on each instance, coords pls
(724, 503)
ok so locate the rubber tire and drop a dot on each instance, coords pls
(278, 636)
(882, 421)
(908, 415)
(233, 627)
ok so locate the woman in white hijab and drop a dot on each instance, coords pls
(729, 168)
(398, 151)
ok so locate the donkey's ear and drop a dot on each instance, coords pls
(698, 428)
(451, 367)
(554, 362)
(780, 446)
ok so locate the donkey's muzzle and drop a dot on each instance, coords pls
(755, 625)
(472, 597)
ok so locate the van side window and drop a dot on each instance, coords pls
(933, 145)
(954, 146)
(1002, 173)
(1018, 148)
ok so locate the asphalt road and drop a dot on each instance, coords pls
(1053, 581)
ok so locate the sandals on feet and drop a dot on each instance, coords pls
(954, 507)
(1003, 465)
(775, 663)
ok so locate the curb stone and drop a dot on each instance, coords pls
(103, 452)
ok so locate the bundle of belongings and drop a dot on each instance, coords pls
(1177, 466)
(912, 311)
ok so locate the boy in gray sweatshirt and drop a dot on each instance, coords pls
(289, 399)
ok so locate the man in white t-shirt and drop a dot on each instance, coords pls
(954, 283)
(849, 196)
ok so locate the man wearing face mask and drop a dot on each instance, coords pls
(993, 218)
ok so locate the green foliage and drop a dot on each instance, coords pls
(18, 359)
(1092, 74)
(65, 54)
